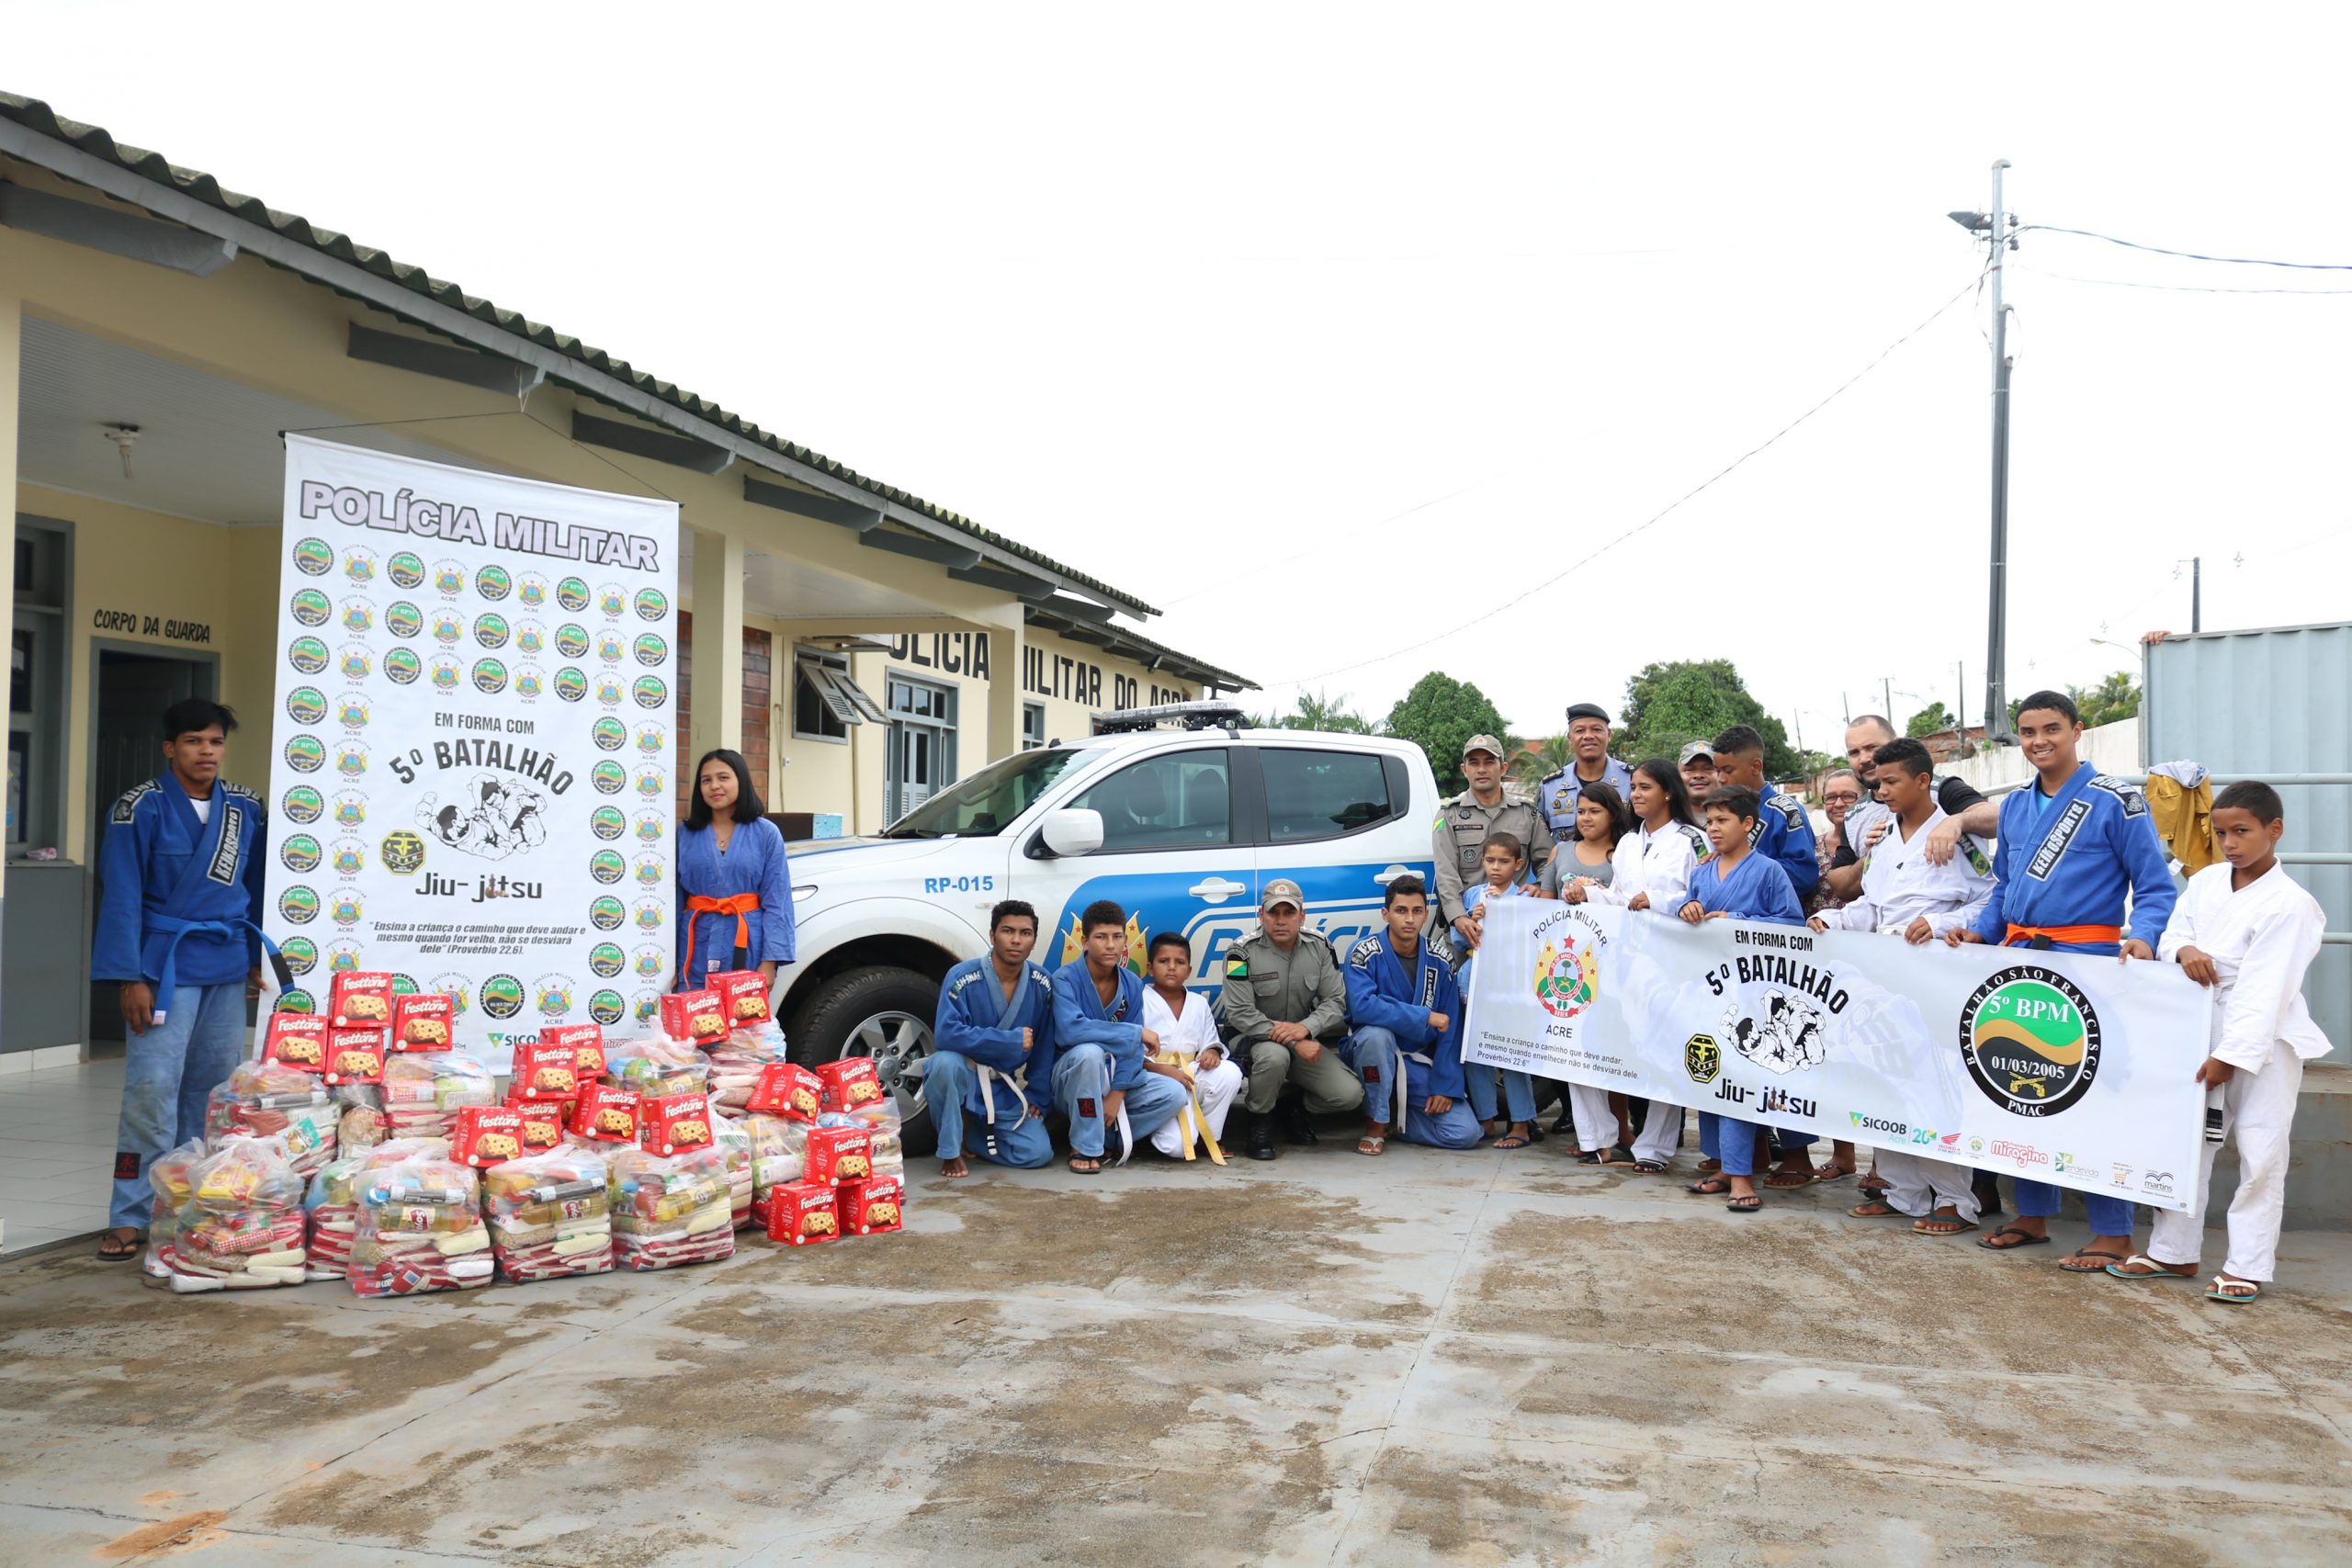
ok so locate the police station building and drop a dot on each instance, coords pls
(860, 646)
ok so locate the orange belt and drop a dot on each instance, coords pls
(738, 905)
(2073, 936)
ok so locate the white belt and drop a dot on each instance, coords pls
(1015, 1081)
(1403, 1076)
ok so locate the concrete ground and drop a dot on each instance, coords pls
(1461, 1358)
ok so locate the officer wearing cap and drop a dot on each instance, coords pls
(1697, 765)
(1464, 823)
(1557, 795)
(1285, 1009)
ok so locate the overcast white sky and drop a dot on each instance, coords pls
(1328, 329)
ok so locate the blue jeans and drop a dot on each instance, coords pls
(1374, 1054)
(1518, 1096)
(1730, 1140)
(1015, 1140)
(167, 1075)
(1081, 1080)
(2108, 1216)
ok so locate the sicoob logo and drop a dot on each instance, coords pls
(2030, 1040)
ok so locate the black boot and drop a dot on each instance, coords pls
(1258, 1135)
(1296, 1129)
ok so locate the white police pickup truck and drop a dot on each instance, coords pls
(1180, 827)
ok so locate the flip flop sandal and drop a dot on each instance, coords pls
(1512, 1143)
(1941, 1225)
(1587, 1156)
(1618, 1154)
(2067, 1262)
(131, 1249)
(1710, 1187)
(1874, 1212)
(1082, 1170)
(2124, 1270)
(1876, 1184)
(2025, 1238)
(1649, 1166)
(1368, 1145)
(1833, 1173)
(1746, 1205)
(2231, 1293)
(1788, 1180)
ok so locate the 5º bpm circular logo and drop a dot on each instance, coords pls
(2031, 1041)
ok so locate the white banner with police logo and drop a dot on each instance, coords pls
(2062, 1067)
(473, 788)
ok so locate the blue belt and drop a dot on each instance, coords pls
(166, 980)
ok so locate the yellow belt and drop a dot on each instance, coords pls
(1191, 1124)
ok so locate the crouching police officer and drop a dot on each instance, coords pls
(1286, 1010)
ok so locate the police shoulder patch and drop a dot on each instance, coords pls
(1363, 951)
(2134, 803)
(1235, 966)
(126, 808)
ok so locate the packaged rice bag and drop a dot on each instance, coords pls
(331, 1208)
(543, 1070)
(420, 1229)
(803, 1213)
(586, 1043)
(607, 1114)
(670, 1123)
(356, 1054)
(654, 1065)
(871, 1206)
(361, 998)
(266, 1098)
(172, 1175)
(486, 1135)
(851, 1083)
(423, 1091)
(296, 1040)
(730, 1138)
(242, 1225)
(785, 1089)
(693, 1018)
(550, 1216)
(425, 1021)
(671, 1210)
(839, 1153)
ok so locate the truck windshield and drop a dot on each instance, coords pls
(987, 802)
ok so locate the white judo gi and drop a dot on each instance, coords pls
(1899, 885)
(1658, 863)
(2261, 938)
(1215, 1086)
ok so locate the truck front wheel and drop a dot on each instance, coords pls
(883, 1012)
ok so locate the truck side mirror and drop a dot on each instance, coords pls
(1074, 831)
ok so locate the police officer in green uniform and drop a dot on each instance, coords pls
(1285, 1010)
(1464, 823)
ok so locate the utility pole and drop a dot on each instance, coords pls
(1886, 688)
(1996, 225)
(2196, 594)
(1960, 691)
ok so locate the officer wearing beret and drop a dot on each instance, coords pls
(1285, 1008)
(1464, 823)
(1557, 795)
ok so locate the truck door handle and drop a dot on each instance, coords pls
(1385, 877)
(1216, 889)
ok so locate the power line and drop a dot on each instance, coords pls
(1658, 517)
(2167, 288)
(2190, 256)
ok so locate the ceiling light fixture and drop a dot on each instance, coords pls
(123, 435)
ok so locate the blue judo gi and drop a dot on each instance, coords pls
(2068, 860)
(182, 910)
(977, 1069)
(1783, 833)
(1392, 1047)
(753, 871)
(1098, 1049)
(1755, 889)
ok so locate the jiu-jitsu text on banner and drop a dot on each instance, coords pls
(2063, 1068)
(473, 785)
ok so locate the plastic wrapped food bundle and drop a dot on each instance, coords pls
(266, 1098)
(886, 1145)
(172, 1175)
(779, 1155)
(753, 1040)
(671, 1210)
(655, 1065)
(550, 1216)
(420, 1229)
(242, 1225)
(423, 1091)
(361, 1126)
(734, 1144)
(332, 1207)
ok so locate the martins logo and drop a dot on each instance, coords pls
(2031, 1041)
(402, 851)
(1702, 1059)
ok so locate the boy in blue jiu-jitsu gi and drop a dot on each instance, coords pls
(1782, 832)
(992, 1061)
(1100, 1046)
(1503, 860)
(1406, 1044)
(179, 926)
(2071, 846)
(1739, 881)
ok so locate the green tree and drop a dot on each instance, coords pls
(1541, 760)
(1439, 715)
(2117, 697)
(1933, 719)
(1320, 711)
(1670, 704)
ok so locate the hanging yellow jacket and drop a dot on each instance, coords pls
(2184, 820)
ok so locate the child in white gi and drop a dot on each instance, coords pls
(1182, 1021)
(2250, 932)
(1504, 861)
(1906, 894)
